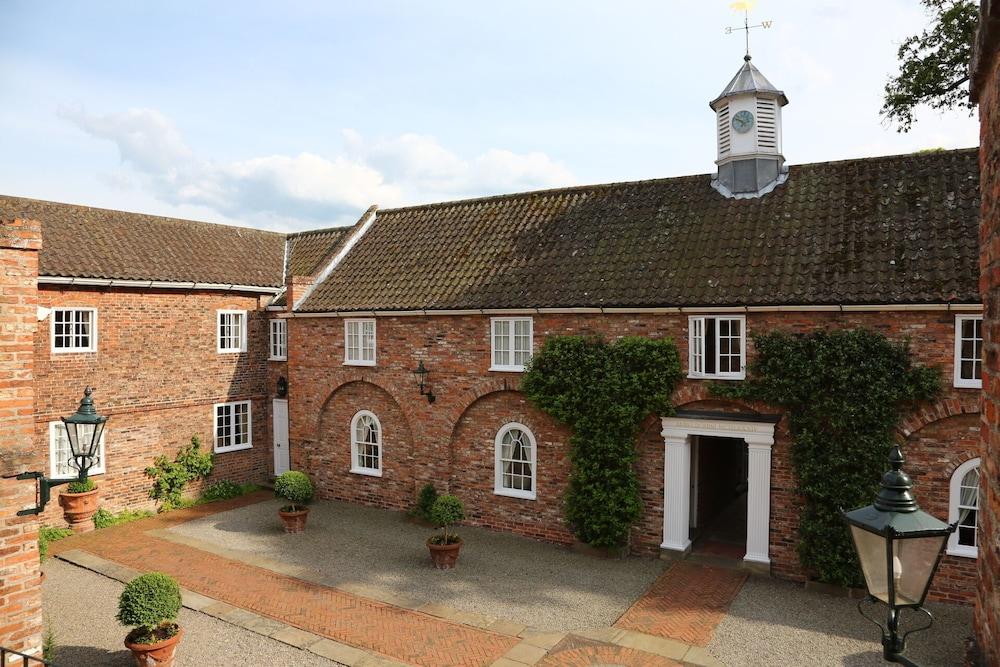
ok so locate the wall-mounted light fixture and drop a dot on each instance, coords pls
(420, 372)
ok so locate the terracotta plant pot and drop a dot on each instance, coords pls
(160, 654)
(79, 509)
(295, 521)
(444, 556)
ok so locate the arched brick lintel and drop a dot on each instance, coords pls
(928, 413)
(358, 378)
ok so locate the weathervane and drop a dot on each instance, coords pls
(745, 6)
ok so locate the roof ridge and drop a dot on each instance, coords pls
(571, 189)
(164, 218)
(321, 230)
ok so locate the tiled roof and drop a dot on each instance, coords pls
(307, 250)
(898, 229)
(84, 242)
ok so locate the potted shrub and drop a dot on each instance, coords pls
(295, 487)
(79, 503)
(447, 510)
(149, 605)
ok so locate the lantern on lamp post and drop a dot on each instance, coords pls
(899, 547)
(83, 430)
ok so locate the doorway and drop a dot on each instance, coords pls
(279, 440)
(719, 495)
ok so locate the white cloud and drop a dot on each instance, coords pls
(309, 189)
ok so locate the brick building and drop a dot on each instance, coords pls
(986, 91)
(297, 351)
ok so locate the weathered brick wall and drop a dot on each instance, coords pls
(453, 439)
(157, 374)
(20, 588)
(986, 75)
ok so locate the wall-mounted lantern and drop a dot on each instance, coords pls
(420, 372)
(282, 387)
(83, 430)
(899, 547)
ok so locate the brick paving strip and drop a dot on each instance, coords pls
(401, 634)
(686, 603)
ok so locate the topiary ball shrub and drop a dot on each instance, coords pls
(150, 604)
(447, 511)
(295, 487)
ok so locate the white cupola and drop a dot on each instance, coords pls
(748, 122)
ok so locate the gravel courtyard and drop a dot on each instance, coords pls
(366, 550)
(80, 608)
(779, 623)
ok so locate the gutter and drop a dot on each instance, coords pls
(155, 284)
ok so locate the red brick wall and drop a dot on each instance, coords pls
(157, 374)
(453, 439)
(20, 588)
(986, 71)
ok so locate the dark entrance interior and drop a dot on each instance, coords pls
(719, 496)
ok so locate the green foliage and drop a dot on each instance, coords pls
(105, 519)
(295, 487)
(604, 392)
(170, 477)
(47, 535)
(48, 643)
(447, 511)
(148, 601)
(845, 392)
(425, 502)
(81, 486)
(934, 65)
(225, 489)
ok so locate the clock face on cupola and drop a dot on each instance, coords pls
(748, 128)
(743, 121)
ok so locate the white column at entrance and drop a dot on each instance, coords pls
(676, 491)
(758, 497)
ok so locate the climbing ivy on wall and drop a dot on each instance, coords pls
(603, 392)
(845, 392)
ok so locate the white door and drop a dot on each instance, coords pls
(279, 421)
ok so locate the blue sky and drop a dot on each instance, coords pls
(298, 115)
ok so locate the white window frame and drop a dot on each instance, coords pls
(498, 487)
(277, 341)
(55, 427)
(696, 347)
(954, 500)
(243, 331)
(361, 322)
(960, 382)
(510, 337)
(216, 447)
(355, 468)
(93, 330)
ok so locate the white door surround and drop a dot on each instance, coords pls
(759, 436)
(279, 429)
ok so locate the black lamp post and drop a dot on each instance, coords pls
(83, 429)
(900, 547)
(420, 372)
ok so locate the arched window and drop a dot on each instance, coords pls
(366, 444)
(964, 508)
(515, 462)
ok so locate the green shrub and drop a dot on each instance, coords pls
(81, 486)
(48, 643)
(170, 477)
(295, 487)
(47, 535)
(225, 489)
(148, 603)
(425, 501)
(447, 511)
(845, 392)
(603, 392)
(105, 519)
